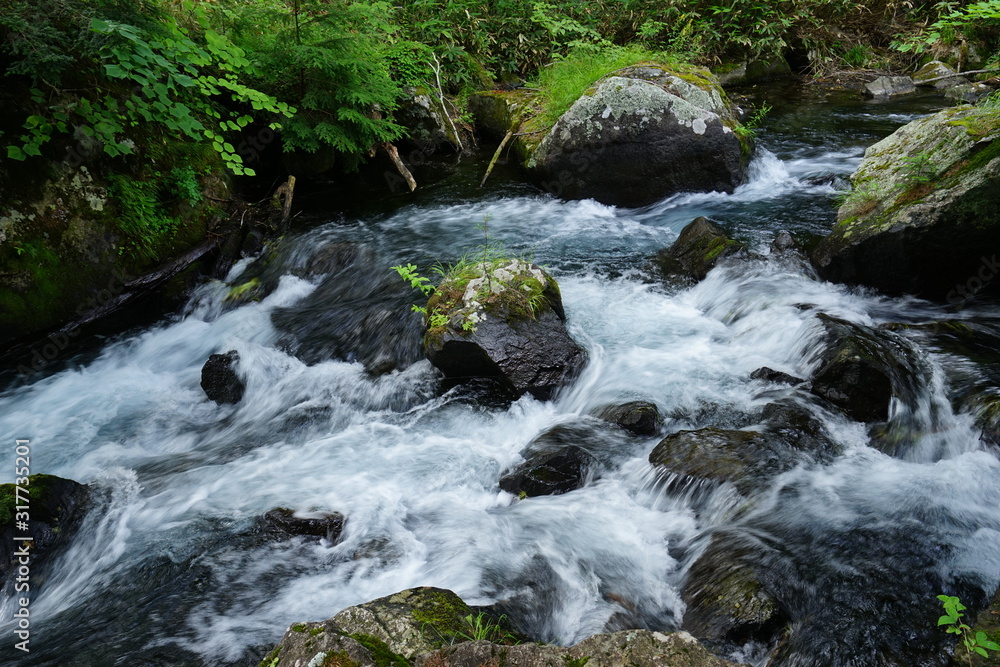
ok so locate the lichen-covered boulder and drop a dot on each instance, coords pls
(924, 214)
(219, 378)
(626, 648)
(502, 319)
(433, 627)
(725, 597)
(700, 246)
(57, 508)
(642, 134)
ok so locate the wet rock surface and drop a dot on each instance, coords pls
(219, 378)
(700, 246)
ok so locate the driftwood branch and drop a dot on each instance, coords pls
(510, 133)
(400, 167)
(444, 107)
(949, 76)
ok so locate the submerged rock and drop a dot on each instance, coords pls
(327, 525)
(57, 508)
(700, 246)
(502, 320)
(637, 417)
(359, 311)
(724, 595)
(220, 380)
(924, 212)
(549, 473)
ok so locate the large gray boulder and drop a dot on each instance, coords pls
(638, 135)
(924, 215)
(503, 320)
(642, 134)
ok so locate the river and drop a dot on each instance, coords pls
(170, 571)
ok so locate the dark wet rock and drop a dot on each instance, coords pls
(641, 134)
(924, 211)
(784, 243)
(637, 417)
(936, 69)
(724, 595)
(863, 368)
(795, 425)
(754, 71)
(426, 627)
(748, 459)
(327, 525)
(219, 378)
(509, 325)
(743, 458)
(57, 508)
(700, 246)
(778, 377)
(890, 86)
(549, 473)
(360, 311)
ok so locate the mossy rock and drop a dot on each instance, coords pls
(924, 212)
(725, 597)
(702, 244)
(56, 508)
(501, 319)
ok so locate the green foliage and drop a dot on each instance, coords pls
(567, 78)
(341, 63)
(976, 642)
(857, 56)
(570, 661)
(748, 128)
(144, 218)
(163, 76)
(978, 17)
(483, 627)
(918, 169)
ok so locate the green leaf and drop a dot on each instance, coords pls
(15, 153)
(981, 651)
(32, 149)
(115, 72)
(97, 25)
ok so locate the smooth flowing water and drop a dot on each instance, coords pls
(169, 570)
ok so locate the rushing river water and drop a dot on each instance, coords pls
(169, 570)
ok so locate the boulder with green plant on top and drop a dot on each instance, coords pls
(501, 318)
(638, 135)
(924, 213)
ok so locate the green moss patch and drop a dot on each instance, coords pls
(381, 654)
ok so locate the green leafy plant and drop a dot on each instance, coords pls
(483, 627)
(163, 75)
(748, 128)
(974, 642)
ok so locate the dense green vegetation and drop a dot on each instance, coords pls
(332, 73)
